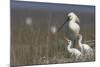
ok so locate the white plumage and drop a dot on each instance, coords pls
(74, 52)
(85, 48)
(72, 28)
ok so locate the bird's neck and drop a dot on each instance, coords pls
(69, 46)
(73, 20)
(80, 42)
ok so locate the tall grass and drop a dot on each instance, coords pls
(35, 44)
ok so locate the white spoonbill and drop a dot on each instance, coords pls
(85, 48)
(72, 28)
(73, 51)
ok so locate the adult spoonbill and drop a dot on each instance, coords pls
(85, 48)
(73, 51)
(72, 28)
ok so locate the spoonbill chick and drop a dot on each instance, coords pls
(85, 48)
(73, 51)
(72, 29)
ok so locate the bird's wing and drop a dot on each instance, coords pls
(86, 46)
(74, 27)
(77, 29)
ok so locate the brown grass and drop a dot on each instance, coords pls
(35, 44)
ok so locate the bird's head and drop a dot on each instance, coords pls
(67, 40)
(73, 16)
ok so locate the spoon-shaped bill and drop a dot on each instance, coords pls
(62, 25)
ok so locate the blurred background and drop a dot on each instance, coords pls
(32, 41)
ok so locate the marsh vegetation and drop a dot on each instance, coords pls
(35, 44)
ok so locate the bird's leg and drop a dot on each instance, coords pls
(76, 45)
